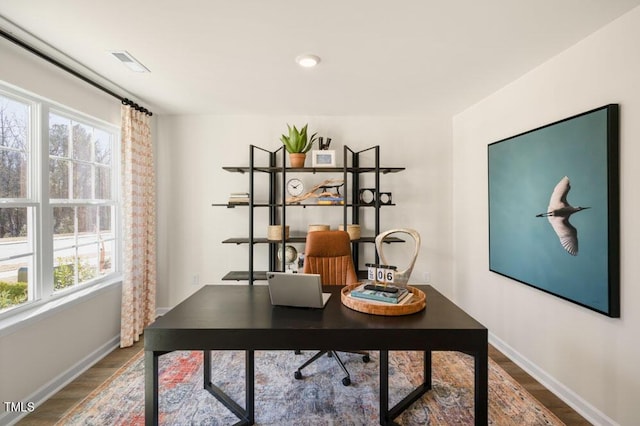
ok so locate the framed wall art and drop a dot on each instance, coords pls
(323, 158)
(554, 209)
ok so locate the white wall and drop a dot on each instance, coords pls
(193, 150)
(590, 358)
(34, 358)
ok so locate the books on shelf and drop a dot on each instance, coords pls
(239, 198)
(330, 200)
(400, 297)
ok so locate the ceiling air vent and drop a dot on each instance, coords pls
(132, 63)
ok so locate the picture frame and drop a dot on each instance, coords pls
(323, 158)
(554, 209)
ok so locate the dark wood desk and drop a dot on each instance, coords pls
(239, 317)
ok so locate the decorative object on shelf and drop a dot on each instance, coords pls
(318, 227)
(239, 198)
(401, 277)
(290, 257)
(353, 230)
(322, 144)
(297, 144)
(323, 158)
(295, 187)
(325, 188)
(367, 197)
(274, 232)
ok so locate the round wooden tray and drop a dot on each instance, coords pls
(416, 304)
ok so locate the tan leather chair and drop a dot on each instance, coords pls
(328, 253)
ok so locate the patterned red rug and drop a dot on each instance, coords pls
(319, 399)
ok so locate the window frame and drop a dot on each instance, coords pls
(41, 231)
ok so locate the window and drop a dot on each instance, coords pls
(58, 200)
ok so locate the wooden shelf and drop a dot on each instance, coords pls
(262, 275)
(276, 169)
(302, 239)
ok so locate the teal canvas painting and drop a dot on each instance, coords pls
(554, 209)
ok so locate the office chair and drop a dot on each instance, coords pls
(328, 253)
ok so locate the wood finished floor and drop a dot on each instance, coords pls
(54, 408)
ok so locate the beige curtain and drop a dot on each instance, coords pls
(139, 226)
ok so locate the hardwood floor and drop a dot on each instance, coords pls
(54, 408)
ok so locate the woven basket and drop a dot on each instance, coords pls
(274, 232)
(352, 230)
(313, 228)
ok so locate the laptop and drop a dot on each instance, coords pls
(299, 290)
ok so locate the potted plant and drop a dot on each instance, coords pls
(297, 144)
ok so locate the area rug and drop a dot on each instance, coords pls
(318, 399)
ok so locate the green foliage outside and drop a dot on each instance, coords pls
(63, 274)
(12, 294)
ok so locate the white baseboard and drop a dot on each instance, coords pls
(586, 410)
(55, 385)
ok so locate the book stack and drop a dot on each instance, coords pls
(330, 200)
(400, 297)
(239, 198)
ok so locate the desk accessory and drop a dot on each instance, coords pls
(401, 277)
(413, 305)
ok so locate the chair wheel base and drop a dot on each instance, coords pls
(346, 381)
(365, 358)
(297, 375)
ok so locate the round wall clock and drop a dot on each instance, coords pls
(295, 187)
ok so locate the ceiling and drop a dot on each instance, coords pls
(379, 57)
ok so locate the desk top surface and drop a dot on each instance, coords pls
(242, 307)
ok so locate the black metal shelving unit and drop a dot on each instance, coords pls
(277, 208)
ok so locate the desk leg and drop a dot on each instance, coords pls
(481, 393)
(151, 388)
(384, 388)
(250, 385)
(388, 414)
(245, 415)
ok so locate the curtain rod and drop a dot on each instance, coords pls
(73, 72)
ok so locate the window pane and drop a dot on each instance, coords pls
(103, 183)
(59, 179)
(82, 142)
(59, 136)
(105, 261)
(88, 223)
(16, 257)
(14, 231)
(15, 276)
(82, 182)
(106, 213)
(103, 146)
(63, 225)
(14, 148)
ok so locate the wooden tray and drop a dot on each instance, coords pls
(417, 303)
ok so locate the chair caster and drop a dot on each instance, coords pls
(365, 358)
(346, 381)
(297, 352)
(298, 375)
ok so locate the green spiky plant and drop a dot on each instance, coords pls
(297, 142)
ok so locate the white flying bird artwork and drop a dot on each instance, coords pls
(558, 213)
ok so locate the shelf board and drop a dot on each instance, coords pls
(262, 276)
(302, 239)
(276, 169)
(303, 205)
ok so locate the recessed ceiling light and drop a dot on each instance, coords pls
(308, 61)
(126, 58)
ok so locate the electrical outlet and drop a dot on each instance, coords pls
(195, 280)
(426, 277)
